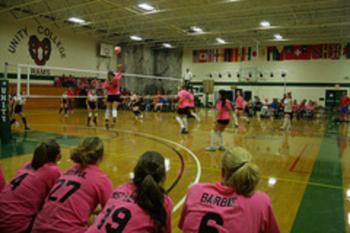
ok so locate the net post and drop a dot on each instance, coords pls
(6, 70)
(5, 126)
(18, 80)
(28, 80)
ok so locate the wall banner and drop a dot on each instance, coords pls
(40, 44)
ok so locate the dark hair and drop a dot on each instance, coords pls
(110, 75)
(223, 98)
(45, 152)
(89, 151)
(148, 174)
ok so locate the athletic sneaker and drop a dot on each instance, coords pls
(222, 148)
(184, 131)
(210, 148)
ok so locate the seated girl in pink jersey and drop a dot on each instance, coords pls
(223, 108)
(2, 180)
(231, 205)
(140, 206)
(77, 192)
(22, 199)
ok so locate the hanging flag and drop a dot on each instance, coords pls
(346, 51)
(273, 53)
(203, 56)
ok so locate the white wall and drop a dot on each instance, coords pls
(315, 71)
(81, 51)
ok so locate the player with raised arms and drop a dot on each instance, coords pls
(77, 192)
(231, 205)
(141, 205)
(22, 199)
(112, 89)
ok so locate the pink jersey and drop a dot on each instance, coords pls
(295, 107)
(71, 201)
(223, 111)
(134, 218)
(2, 180)
(214, 207)
(113, 87)
(310, 107)
(240, 102)
(191, 99)
(22, 199)
(184, 99)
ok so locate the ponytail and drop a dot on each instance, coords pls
(45, 152)
(239, 172)
(149, 173)
(223, 98)
(89, 151)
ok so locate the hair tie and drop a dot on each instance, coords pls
(241, 165)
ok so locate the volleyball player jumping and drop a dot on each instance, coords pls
(112, 87)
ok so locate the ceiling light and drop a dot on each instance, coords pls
(76, 20)
(220, 41)
(146, 7)
(167, 45)
(137, 38)
(196, 29)
(265, 24)
(278, 37)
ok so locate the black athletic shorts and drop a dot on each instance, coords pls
(223, 122)
(18, 108)
(113, 98)
(183, 111)
(92, 105)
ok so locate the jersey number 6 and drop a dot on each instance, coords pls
(204, 228)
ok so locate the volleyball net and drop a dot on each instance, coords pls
(30, 81)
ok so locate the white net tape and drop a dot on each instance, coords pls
(81, 80)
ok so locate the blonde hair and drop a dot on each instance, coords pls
(239, 172)
(89, 151)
